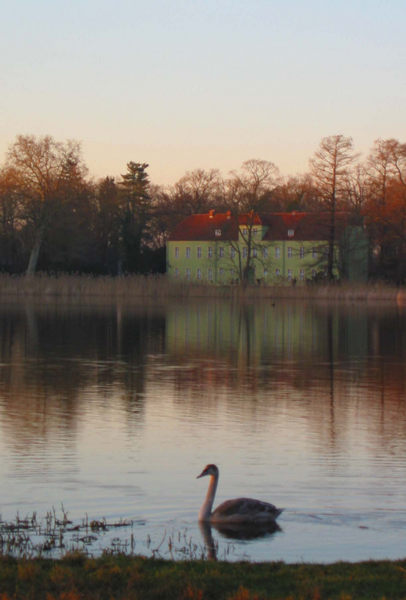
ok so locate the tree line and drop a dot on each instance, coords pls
(55, 217)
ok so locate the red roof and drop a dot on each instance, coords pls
(303, 226)
(280, 226)
(212, 226)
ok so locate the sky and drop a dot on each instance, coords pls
(188, 84)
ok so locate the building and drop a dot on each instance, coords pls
(291, 247)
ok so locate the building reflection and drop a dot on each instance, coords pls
(326, 365)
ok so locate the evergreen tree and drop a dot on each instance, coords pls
(136, 212)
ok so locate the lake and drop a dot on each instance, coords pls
(110, 412)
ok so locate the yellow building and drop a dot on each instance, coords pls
(223, 248)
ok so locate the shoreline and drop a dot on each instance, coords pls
(123, 577)
(136, 288)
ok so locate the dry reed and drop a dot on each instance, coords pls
(159, 288)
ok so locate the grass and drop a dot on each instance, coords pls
(159, 288)
(77, 577)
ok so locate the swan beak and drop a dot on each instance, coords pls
(202, 474)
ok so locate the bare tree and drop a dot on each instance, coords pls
(294, 193)
(43, 168)
(248, 192)
(386, 207)
(198, 191)
(250, 187)
(385, 163)
(330, 167)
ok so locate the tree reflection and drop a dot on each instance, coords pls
(54, 357)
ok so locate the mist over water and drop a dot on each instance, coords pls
(113, 411)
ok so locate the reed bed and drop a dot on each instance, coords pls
(159, 288)
(54, 534)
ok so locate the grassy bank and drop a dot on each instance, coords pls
(122, 577)
(137, 288)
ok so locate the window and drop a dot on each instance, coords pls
(277, 252)
(232, 252)
(176, 272)
(210, 274)
(301, 274)
(221, 251)
(217, 232)
(301, 252)
(290, 252)
(291, 233)
(314, 273)
(277, 272)
(265, 252)
(199, 252)
(187, 252)
(314, 252)
(254, 252)
(187, 273)
(221, 272)
(210, 251)
(177, 252)
(290, 274)
(199, 274)
(255, 231)
(265, 273)
(244, 252)
(245, 231)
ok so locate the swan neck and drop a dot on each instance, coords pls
(205, 511)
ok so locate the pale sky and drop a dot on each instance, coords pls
(186, 84)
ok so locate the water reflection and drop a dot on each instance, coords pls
(234, 531)
(104, 407)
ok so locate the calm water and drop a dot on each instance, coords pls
(113, 412)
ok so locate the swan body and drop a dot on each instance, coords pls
(239, 510)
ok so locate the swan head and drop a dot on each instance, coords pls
(209, 470)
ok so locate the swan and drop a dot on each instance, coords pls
(239, 510)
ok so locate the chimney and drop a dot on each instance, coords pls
(228, 214)
(211, 213)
